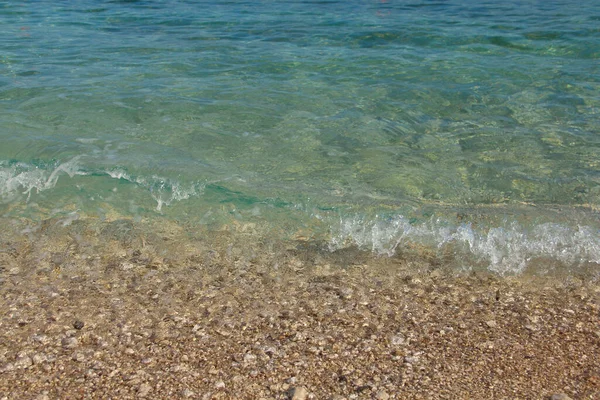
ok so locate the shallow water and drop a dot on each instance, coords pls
(464, 129)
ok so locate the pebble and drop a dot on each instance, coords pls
(411, 359)
(220, 385)
(398, 340)
(381, 395)
(291, 380)
(492, 324)
(299, 393)
(70, 342)
(43, 339)
(485, 345)
(70, 333)
(249, 358)
(144, 390)
(23, 361)
(560, 396)
(532, 328)
(6, 368)
(38, 358)
(186, 393)
(78, 324)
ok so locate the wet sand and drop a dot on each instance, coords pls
(225, 319)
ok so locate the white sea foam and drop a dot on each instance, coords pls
(22, 178)
(505, 249)
(166, 191)
(163, 190)
(19, 179)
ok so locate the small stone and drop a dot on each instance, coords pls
(492, 324)
(43, 339)
(38, 358)
(345, 293)
(7, 367)
(299, 393)
(398, 340)
(532, 328)
(291, 380)
(186, 393)
(79, 357)
(275, 387)
(70, 342)
(23, 361)
(270, 351)
(485, 345)
(78, 324)
(381, 395)
(249, 358)
(144, 390)
(220, 385)
(411, 359)
(98, 365)
(560, 396)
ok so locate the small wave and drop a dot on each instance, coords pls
(22, 178)
(507, 249)
(164, 191)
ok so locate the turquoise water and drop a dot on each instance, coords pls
(464, 127)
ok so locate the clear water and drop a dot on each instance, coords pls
(462, 127)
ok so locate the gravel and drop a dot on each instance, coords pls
(230, 321)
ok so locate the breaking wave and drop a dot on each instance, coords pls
(506, 249)
(18, 179)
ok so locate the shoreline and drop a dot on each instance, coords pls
(245, 321)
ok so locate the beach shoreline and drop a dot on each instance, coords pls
(300, 200)
(234, 320)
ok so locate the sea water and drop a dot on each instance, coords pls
(467, 129)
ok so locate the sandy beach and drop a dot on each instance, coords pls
(232, 320)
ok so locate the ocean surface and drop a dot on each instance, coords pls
(466, 129)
